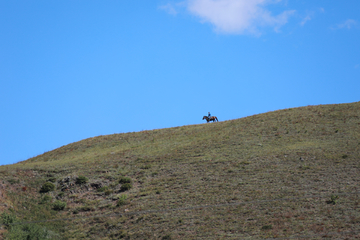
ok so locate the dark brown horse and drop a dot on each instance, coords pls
(213, 118)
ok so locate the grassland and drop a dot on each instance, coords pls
(282, 174)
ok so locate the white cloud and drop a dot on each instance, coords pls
(238, 16)
(350, 23)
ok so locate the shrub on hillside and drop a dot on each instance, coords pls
(125, 180)
(102, 189)
(333, 199)
(59, 205)
(108, 192)
(122, 200)
(267, 227)
(125, 187)
(13, 181)
(52, 179)
(7, 219)
(23, 231)
(81, 180)
(47, 187)
(85, 208)
(45, 199)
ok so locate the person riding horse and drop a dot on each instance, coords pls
(210, 118)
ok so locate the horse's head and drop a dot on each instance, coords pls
(205, 117)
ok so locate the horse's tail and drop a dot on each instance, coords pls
(216, 119)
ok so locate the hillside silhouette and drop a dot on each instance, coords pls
(288, 173)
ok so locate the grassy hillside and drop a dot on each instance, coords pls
(288, 173)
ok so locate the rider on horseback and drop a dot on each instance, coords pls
(209, 118)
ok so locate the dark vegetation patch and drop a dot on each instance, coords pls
(81, 180)
(59, 205)
(47, 187)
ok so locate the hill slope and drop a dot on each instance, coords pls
(287, 173)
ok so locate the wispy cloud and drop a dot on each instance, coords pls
(238, 16)
(348, 24)
(306, 19)
(310, 15)
(169, 8)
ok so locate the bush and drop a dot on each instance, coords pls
(125, 180)
(267, 227)
(122, 200)
(103, 189)
(86, 208)
(81, 180)
(13, 181)
(108, 192)
(45, 199)
(7, 218)
(52, 179)
(59, 205)
(29, 231)
(47, 187)
(125, 187)
(333, 199)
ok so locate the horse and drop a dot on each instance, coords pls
(213, 118)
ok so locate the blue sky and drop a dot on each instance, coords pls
(71, 70)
